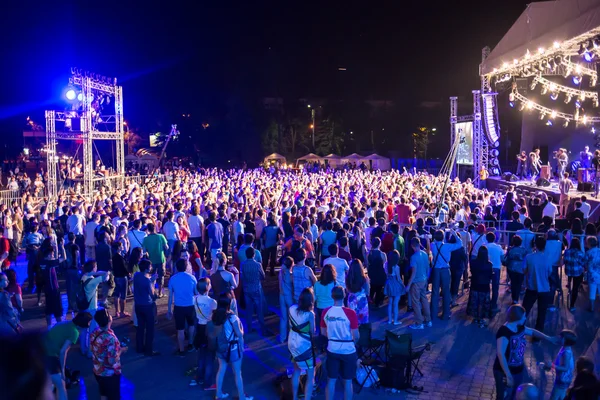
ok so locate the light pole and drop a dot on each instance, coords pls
(312, 126)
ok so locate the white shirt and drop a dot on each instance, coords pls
(204, 307)
(341, 267)
(89, 230)
(495, 253)
(171, 230)
(585, 209)
(238, 229)
(195, 222)
(75, 224)
(550, 211)
(136, 238)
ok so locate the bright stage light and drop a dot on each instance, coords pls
(593, 130)
(576, 80)
(511, 97)
(511, 104)
(515, 61)
(556, 44)
(554, 96)
(553, 115)
(596, 102)
(578, 69)
(504, 65)
(71, 94)
(542, 115)
(566, 123)
(529, 105)
(593, 81)
(527, 54)
(80, 97)
(584, 119)
(568, 98)
(544, 89)
(553, 87)
(581, 50)
(588, 56)
(533, 84)
(541, 50)
(549, 122)
(521, 106)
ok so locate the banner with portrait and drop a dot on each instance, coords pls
(464, 135)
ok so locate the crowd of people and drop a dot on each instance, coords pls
(345, 242)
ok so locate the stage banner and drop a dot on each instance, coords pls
(464, 132)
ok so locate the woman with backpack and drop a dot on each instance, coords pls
(394, 287)
(226, 337)
(302, 325)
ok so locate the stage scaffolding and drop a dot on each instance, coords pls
(90, 90)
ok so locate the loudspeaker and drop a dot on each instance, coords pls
(509, 177)
(542, 182)
(585, 187)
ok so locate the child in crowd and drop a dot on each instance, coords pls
(564, 365)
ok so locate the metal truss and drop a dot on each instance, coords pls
(453, 121)
(480, 143)
(87, 134)
(555, 87)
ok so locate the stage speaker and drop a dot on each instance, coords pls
(561, 224)
(585, 187)
(509, 177)
(542, 182)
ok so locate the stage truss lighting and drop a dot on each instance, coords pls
(588, 56)
(582, 49)
(544, 89)
(566, 123)
(554, 96)
(568, 98)
(553, 114)
(542, 115)
(549, 122)
(71, 95)
(576, 80)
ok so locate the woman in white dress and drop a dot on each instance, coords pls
(302, 325)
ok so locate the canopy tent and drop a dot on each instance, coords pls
(310, 157)
(379, 162)
(352, 158)
(273, 158)
(333, 160)
(540, 26)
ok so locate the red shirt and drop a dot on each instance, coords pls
(403, 211)
(390, 212)
(4, 247)
(195, 266)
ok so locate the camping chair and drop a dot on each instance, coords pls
(399, 348)
(367, 346)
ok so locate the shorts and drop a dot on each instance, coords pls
(53, 365)
(120, 291)
(110, 386)
(159, 269)
(183, 315)
(341, 366)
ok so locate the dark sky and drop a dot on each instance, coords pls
(174, 57)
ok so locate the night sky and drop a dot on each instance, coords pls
(198, 57)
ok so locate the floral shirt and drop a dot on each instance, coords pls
(574, 261)
(592, 260)
(105, 353)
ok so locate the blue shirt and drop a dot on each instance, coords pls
(252, 274)
(215, 234)
(142, 290)
(537, 272)
(271, 233)
(327, 238)
(242, 254)
(183, 287)
(420, 261)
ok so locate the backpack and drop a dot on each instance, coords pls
(81, 298)
(221, 344)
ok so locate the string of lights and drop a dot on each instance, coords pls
(555, 89)
(526, 103)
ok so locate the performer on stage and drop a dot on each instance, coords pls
(522, 164)
(596, 166)
(562, 158)
(536, 163)
(585, 157)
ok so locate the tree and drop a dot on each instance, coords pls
(133, 140)
(329, 137)
(270, 138)
(421, 141)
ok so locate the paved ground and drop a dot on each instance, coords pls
(459, 366)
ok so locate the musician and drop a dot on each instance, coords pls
(596, 167)
(562, 159)
(535, 162)
(483, 175)
(522, 164)
(585, 157)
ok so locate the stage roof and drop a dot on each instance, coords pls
(540, 25)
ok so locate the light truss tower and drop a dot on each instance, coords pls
(453, 120)
(480, 143)
(87, 123)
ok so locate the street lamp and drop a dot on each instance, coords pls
(312, 126)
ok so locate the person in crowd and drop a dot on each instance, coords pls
(14, 291)
(156, 246)
(327, 238)
(104, 263)
(327, 280)
(340, 325)
(574, 260)
(204, 307)
(106, 356)
(592, 263)
(585, 385)
(89, 283)
(376, 260)
(226, 336)
(145, 308)
(537, 282)
(57, 342)
(514, 261)
(340, 265)
(182, 289)
(48, 266)
(440, 279)
(358, 287)
(252, 275)
(286, 295)
(553, 252)
(479, 305)
(514, 225)
(300, 341)
(32, 242)
(122, 274)
(271, 236)
(136, 235)
(496, 253)
(302, 276)
(394, 287)
(564, 365)
(458, 265)
(417, 285)
(215, 235)
(527, 235)
(9, 316)
(510, 351)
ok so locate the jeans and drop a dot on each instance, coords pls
(440, 278)
(144, 335)
(455, 277)
(594, 289)
(270, 258)
(254, 301)
(80, 242)
(516, 282)
(419, 302)
(543, 299)
(574, 282)
(501, 387)
(285, 302)
(495, 287)
(73, 285)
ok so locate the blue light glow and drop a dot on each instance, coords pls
(576, 80)
(549, 123)
(512, 104)
(70, 94)
(588, 56)
(554, 96)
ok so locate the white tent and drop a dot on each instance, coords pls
(352, 158)
(333, 160)
(273, 158)
(379, 162)
(540, 26)
(310, 157)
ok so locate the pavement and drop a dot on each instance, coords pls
(458, 366)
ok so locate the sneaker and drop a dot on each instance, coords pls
(194, 382)
(223, 396)
(190, 348)
(398, 323)
(389, 322)
(429, 324)
(213, 387)
(416, 326)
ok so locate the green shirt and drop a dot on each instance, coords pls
(56, 337)
(155, 244)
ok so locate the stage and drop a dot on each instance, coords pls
(527, 188)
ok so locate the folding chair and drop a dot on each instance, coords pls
(400, 347)
(367, 346)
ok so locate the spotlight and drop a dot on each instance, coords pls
(578, 69)
(581, 50)
(568, 98)
(544, 89)
(576, 115)
(80, 97)
(553, 114)
(593, 80)
(533, 84)
(593, 130)
(584, 119)
(542, 115)
(577, 104)
(529, 105)
(71, 95)
(596, 102)
(588, 56)
(521, 106)
(566, 123)
(576, 80)
(556, 45)
(567, 72)
(549, 123)
(553, 87)
(582, 96)
(511, 104)
(494, 153)
(541, 50)
(511, 97)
